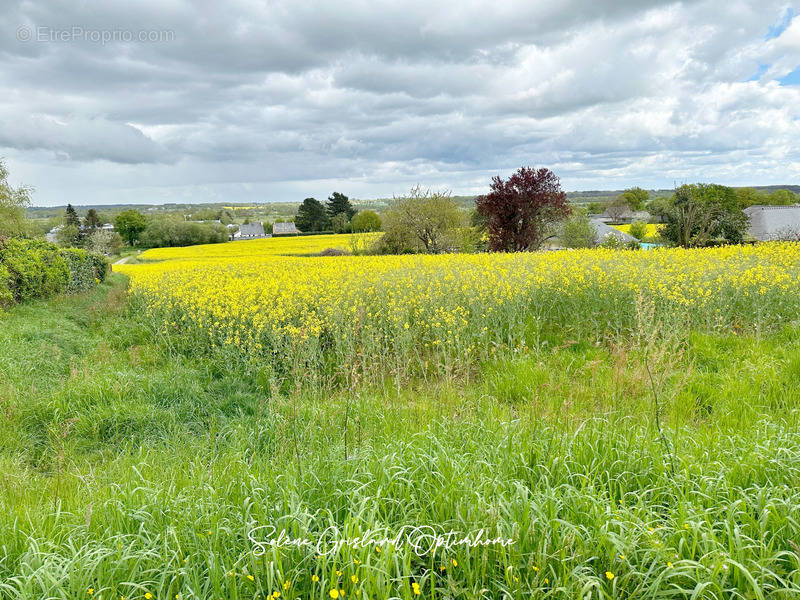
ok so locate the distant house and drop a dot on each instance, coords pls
(107, 227)
(285, 229)
(52, 235)
(774, 222)
(602, 231)
(250, 231)
(611, 215)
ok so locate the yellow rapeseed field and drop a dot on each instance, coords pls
(653, 229)
(261, 299)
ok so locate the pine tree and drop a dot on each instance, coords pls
(339, 203)
(71, 217)
(311, 216)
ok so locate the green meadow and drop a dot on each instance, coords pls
(665, 468)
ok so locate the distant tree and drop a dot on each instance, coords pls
(129, 224)
(781, 198)
(423, 221)
(339, 203)
(578, 231)
(522, 211)
(13, 202)
(748, 196)
(225, 217)
(71, 217)
(638, 230)
(311, 216)
(340, 223)
(92, 220)
(617, 209)
(366, 220)
(69, 236)
(597, 208)
(636, 198)
(105, 242)
(246, 221)
(701, 213)
(659, 207)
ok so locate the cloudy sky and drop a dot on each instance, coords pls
(245, 100)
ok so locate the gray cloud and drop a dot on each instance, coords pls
(278, 100)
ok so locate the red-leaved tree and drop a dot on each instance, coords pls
(520, 213)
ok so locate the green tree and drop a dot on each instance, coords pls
(339, 203)
(701, 213)
(129, 224)
(71, 217)
(423, 221)
(340, 223)
(636, 198)
(366, 220)
(781, 198)
(92, 220)
(638, 230)
(311, 216)
(13, 202)
(69, 236)
(748, 196)
(104, 242)
(597, 208)
(659, 207)
(578, 231)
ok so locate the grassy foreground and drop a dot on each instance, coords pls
(132, 469)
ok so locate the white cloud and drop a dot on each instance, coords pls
(278, 101)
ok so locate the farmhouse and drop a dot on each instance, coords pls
(285, 229)
(774, 222)
(250, 231)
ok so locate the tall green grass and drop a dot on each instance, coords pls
(131, 469)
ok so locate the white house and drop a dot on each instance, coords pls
(285, 229)
(250, 231)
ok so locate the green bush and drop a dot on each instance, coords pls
(32, 269)
(638, 230)
(81, 269)
(35, 269)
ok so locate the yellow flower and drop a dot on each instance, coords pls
(609, 575)
(334, 593)
(377, 548)
(455, 562)
(90, 591)
(415, 588)
(251, 578)
(546, 580)
(622, 557)
(276, 594)
(353, 578)
(314, 578)
(286, 585)
(338, 573)
(669, 565)
(148, 595)
(535, 568)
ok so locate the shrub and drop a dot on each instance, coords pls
(578, 232)
(104, 242)
(33, 269)
(638, 230)
(366, 220)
